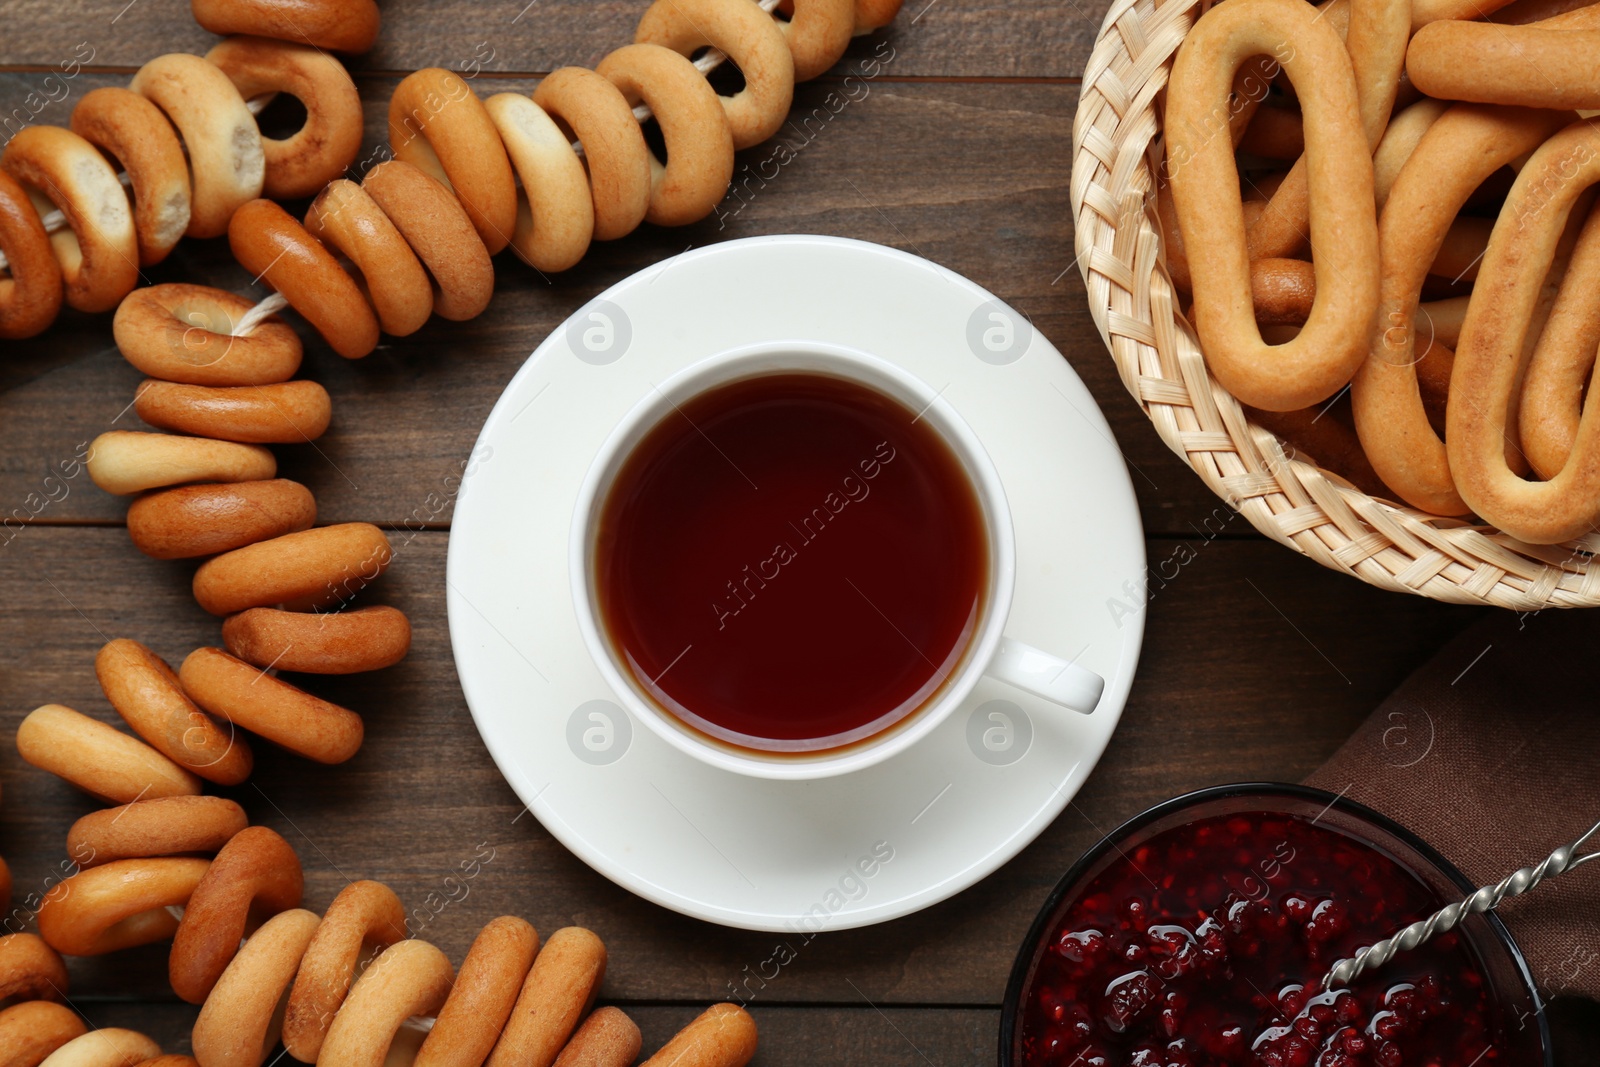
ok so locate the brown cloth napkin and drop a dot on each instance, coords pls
(1491, 754)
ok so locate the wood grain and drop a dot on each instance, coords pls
(1257, 663)
(940, 38)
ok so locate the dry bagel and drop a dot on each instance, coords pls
(341, 642)
(128, 461)
(249, 697)
(99, 250)
(281, 413)
(310, 569)
(161, 826)
(321, 149)
(226, 163)
(201, 520)
(98, 759)
(256, 872)
(146, 693)
(139, 136)
(184, 333)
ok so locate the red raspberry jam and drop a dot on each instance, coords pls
(1207, 943)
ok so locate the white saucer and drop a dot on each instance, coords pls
(772, 855)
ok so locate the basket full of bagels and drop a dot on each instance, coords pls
(1345, 256)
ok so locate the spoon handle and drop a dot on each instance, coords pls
(1446, 918)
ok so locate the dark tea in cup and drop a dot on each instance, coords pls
(791, 562)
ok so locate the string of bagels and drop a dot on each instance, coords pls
(178, 153)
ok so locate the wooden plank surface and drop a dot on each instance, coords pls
(939, 38)
(1257, 664)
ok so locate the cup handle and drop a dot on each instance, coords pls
(1050, 677)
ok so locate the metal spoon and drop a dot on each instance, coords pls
(1447, 917)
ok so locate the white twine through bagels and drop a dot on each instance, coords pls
(55, 220)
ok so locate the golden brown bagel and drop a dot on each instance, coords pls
(327, 143)
(272, 245)
(337, 25)
(31, 296)
(146, 693)
(363, 916)
(699, 141)
(439, 232)
(341, 642)
(119, 905)
(239, 1023)
(746, 34)
(138, 135)
(226, 163)
(437, 124)
(818, 34)
(162, 826)
(607, 1038)
(614, 149)
(184, 333)
(346, 217)
(485, 991)
(283, 413)
(249, 697)
(310, 569)
(409, 978)
(99, 251)
(30, 970)
(256, 873)
(560, 987)
(30, 1031)
(201, 520)
(723, 1035)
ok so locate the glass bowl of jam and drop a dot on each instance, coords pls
(1198, 934)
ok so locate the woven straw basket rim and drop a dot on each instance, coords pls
(1116, 149)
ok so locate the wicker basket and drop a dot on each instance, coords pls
(1116, 148)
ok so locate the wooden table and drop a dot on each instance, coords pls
(1257, 663)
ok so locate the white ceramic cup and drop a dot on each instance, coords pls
(989, 652)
